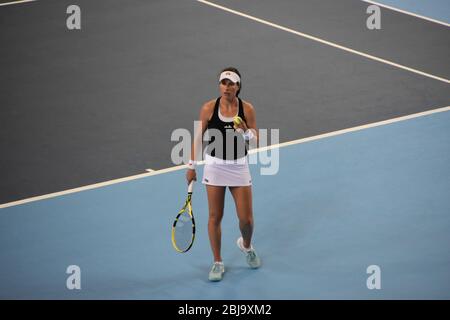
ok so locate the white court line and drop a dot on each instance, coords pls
(332, 44)
(180, 167)
(343, 131)
(407, 12)
(15, 2)
(91, 186)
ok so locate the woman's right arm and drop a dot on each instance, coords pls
(197, 144)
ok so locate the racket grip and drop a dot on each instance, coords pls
(191, 186)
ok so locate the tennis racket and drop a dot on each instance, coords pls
(183, 228)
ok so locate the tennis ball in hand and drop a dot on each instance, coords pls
(237, 120)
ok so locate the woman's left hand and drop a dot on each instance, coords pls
(242, 125)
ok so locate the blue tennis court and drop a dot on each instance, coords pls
(338, 205)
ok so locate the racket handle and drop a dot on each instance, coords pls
(191, 186)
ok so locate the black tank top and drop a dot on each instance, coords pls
(233, 146)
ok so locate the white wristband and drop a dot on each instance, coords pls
(248, 135)
(192, 164)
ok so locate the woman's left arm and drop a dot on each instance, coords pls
(250, 117)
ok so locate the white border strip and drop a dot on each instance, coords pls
(91, 186)
(324, 41)
(15, 2)
(407, 12)
(180, 167)
(358, 128)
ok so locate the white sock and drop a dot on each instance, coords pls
(245, 249)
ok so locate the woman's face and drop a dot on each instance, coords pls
(228, 88)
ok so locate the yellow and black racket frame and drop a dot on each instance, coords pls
(187, 205)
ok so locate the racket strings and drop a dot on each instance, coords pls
(183, 233)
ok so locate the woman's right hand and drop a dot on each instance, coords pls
(191, 175)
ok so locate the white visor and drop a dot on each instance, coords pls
(230, 75)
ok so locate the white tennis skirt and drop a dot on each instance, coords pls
(226, 173)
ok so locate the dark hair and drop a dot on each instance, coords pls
(232, 69)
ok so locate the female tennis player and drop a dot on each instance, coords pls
(226, 165)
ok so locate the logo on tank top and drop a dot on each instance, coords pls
(228, 126)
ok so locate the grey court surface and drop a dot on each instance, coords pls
(91, 105)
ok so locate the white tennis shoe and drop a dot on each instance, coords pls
(217, 271)
(252, 257)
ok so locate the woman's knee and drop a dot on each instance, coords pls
(246, 221)
(215, 218)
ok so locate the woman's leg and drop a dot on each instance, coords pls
(216, 198)
(243, 201)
